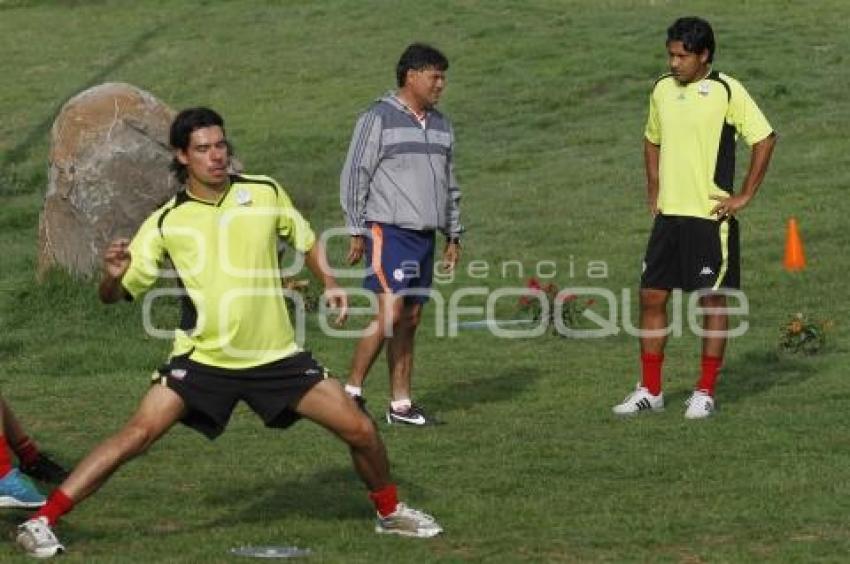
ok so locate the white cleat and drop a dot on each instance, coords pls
(639, 400)
(700, 405)
(37, 539)
(408, 522)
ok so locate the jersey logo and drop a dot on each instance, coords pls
(398, 274)
(704, 88)
(243, 197)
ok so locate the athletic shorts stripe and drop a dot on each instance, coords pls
(724, 254)
(377, 249)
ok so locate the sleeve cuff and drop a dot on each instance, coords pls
(761, 138)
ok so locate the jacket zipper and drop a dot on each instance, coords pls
(433, 175)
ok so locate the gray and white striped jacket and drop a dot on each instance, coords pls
(398, 172)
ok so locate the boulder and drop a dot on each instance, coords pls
(108, 171)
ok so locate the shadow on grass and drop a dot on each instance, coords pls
(11, 518)
(758, 371)
(332, 494)
(66, 531)
(464, 393)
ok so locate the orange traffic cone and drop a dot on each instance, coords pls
(795, 257)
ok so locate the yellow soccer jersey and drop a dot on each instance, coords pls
(697, 125)
(224, 256)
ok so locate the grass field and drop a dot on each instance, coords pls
(548, 99)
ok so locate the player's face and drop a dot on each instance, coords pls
(207, 157)
(426, 85)
(686, 66)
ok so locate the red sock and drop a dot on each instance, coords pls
(385, 499)
(651, 372)
(5, 458)
(58, 504)
(26, 450)
(710, 369)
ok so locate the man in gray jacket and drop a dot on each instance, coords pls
(397, 188)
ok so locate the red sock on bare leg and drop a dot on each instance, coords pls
(710, 370)
(651, 372)
(385, 499)
(58, 504)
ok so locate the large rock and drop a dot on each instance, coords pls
(109, 159)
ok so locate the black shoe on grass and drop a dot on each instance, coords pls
(45, 469)
(414, 415)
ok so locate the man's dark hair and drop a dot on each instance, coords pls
(695, 34)
(419, 56)
(182, 127)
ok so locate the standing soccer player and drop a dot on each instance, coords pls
(235, 340)
(695, 116)
(397, 188)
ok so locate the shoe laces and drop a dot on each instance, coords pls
(413, 410)
(698, 394)
(40, 531)
(632, 395)
(403, 510)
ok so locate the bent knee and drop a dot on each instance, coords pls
(361, 432)
(136, 439)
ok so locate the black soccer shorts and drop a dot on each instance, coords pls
(210, 393)
(692, 253)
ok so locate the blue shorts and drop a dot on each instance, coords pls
(401, 260)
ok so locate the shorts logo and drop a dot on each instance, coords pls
(398, 274)
(178, 373)
(706, 271)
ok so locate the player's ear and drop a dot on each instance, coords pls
(181, 156)
(703, 57)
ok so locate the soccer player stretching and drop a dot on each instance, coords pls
(235, 340)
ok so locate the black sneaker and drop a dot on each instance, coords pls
(414, 415)
(45, 469)
(361, 405)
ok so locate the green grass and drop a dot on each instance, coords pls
(548, 100)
